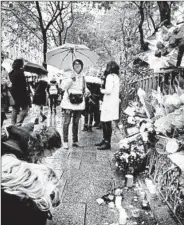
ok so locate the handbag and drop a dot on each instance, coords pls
(77, 98)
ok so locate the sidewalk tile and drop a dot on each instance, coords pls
(98, 215)
(69, 214)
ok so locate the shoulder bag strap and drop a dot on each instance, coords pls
(83, 86)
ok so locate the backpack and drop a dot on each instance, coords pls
(53, 89)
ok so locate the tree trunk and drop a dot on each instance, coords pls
(165, 12)
(60, 37)
(44, 49)
(144, 46)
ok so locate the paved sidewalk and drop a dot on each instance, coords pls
(85, 174)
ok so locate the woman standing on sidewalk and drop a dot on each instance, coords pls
(73, 102)
(19, 92)
(39, 99)
(110, 104)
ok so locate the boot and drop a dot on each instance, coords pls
(100, 143)
(105, 146)
(55, 111)
(44, 118)
(36, 121)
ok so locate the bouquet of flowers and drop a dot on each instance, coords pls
(131, 159)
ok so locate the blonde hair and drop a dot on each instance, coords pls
(35, 182)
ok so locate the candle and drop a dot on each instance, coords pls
(129, 180)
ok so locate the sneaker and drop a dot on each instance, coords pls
(65, 145)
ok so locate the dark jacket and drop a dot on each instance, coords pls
(19, 89)
(92, 101)
(15, 211)
(40, 93)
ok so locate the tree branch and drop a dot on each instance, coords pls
(136, 4)
(53, 19)
(71, 9)
(40, 17)
(29, 10)
(53, 35)
(29, 28)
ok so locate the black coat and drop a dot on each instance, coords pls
(19, 88)
(92, 102)
(40, 93)
(15, 211)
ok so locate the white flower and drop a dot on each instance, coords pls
(133, 154)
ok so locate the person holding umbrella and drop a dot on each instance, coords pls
(19, 92)
(73, 102)
(110, 104)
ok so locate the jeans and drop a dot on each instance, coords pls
(53, 101)
(22, 114)
(107, 131)
(75, 126)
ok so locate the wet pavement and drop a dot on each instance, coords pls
(85, 175)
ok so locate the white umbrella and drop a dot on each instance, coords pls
(63, 56)
(7, 64)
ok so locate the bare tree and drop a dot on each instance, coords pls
(60, 27)
(36, 18)
(141, 5)
(165, 12)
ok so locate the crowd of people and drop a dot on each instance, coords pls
(27, 185)
(78, 98)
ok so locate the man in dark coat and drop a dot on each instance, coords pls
(19, 92)
(40, 99)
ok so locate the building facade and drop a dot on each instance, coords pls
(30, 48)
